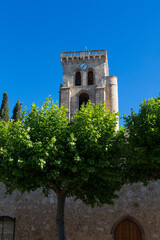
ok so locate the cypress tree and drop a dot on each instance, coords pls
(17, 111)
(4, 110)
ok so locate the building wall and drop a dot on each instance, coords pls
(35, 214)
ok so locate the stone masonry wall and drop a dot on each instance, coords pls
(35, 214)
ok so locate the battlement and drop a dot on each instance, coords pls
(82, 55)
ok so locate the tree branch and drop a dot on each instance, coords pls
(78, 187)
(54, 186)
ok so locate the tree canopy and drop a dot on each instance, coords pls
(80, 158)
(142, 146)
(85, 158)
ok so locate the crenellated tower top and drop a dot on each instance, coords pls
(82, 55)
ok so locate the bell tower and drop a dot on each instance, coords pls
(86, 76)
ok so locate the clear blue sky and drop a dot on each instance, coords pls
(33, 33)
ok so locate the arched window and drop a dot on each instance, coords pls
(90, 78)
(78, 79)
(83, 98)
(127, 229)
(7, 228)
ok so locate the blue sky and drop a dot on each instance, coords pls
(33, 33)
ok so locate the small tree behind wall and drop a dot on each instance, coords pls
(80, 158)
(17, 111)
(4, 110)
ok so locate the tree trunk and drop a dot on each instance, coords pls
(60, 216)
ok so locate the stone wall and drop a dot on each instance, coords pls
(35, 214)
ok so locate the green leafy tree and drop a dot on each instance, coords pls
(17, 111)
(4, 110)
(142, 147)
(80, 158)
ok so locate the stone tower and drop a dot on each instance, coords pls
(86, 76)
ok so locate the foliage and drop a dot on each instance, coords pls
(143, 142)
(84, 158)
(17, 111)
(80, 158)
(4, 110)
(44, 149)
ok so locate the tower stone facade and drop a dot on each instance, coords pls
(86, 76)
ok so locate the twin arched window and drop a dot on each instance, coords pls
(7, 228)
(90, 78)
(78, 78)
